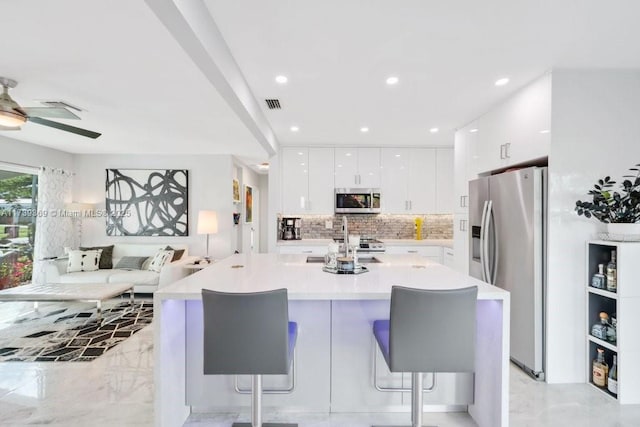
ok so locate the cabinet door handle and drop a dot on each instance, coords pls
(412, 252)
(507, 150)
(307, 252)
(466, 198)
(502, 150)
(462, 201)
(410, 204)
(406, 205)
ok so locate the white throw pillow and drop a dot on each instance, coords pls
(83, 260)
(159, 260)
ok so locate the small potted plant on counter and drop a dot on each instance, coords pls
(619, 210)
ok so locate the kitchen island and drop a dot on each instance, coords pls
(335, 348)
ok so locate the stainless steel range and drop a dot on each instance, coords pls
(367, 246)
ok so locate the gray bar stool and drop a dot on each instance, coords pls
(248, 334)
(428, 331)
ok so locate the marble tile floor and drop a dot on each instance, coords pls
(117, 390)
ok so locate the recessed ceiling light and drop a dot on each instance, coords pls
(474, 130)
(392, 80)
(294, 128)
(434, 130)
(364, 129)
(397, 155)
(545, 131)
(501, 82)
(263, 166)
(300, 153)
(281, 79)
(348, 154)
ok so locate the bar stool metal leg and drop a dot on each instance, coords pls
(256, 402)
(416, 399)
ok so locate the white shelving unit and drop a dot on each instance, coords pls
(625, 303)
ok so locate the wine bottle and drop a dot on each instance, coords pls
(612, 274)
(600, 369)
(599, 280)
(612, 381)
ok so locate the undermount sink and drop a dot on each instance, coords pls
(320, 260)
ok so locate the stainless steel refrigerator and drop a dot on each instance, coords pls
(507, 214)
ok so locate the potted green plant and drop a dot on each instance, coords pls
(620, 210)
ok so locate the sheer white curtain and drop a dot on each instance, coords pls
(53, 231)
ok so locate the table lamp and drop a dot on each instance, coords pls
(207, 224)
(77, 211)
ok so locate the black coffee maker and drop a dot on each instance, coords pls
(291, 228)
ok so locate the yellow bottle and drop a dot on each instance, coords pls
(418, 228)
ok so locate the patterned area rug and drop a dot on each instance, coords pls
(69, 335)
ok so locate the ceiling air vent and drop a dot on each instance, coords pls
(273, 104)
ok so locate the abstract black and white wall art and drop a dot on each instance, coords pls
(147, 202)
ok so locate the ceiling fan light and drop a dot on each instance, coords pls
(11, 119)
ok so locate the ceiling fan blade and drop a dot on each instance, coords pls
(9, 128)
(51, 112)
(66, 128)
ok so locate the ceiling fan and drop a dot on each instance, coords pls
(13, 116)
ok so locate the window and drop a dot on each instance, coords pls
(18, 208)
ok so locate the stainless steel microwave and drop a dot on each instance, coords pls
(357, 200)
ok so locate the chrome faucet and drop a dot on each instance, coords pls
(345, 229)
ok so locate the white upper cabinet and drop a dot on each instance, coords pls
(395, 180)
(307, 181)
(444, 181)
(295, 180)
(321, 188)
(422, 180)
(357, 167)
(518, 130)
(408, 180)
(465, 165)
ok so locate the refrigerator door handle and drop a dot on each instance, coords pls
(485, 242)
(493, 270)
(483, 254)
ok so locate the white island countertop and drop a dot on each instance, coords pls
(307, 281)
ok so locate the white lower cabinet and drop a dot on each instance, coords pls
(461, 242)
(448, 258)
(433, 253)
(303, 250)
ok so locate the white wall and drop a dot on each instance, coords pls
(251, 178)
(24, 153)
(595, 132)
(209, 188)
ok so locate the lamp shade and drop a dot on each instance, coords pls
(207, 222)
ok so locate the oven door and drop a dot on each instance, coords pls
(361, 200)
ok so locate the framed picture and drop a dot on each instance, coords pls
(147, 202)
(248, 204)
(236, 191)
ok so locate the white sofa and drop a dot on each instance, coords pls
(145, 281)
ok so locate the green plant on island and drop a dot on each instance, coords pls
(610, 206)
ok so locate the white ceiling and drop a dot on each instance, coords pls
(118, 61)
(447, 54)
(147, 95)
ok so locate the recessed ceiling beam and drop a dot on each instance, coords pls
(192, 26)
